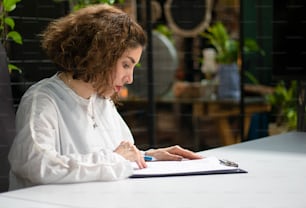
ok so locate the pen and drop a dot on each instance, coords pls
(148, 158)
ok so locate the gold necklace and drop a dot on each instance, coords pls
(68, 81)
(92, 115)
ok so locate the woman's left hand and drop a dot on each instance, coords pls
(172, 153)
(130, 152)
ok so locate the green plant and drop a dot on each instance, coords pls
(78, 4)
(226, 47)
(283, 102)
(163, 29)
(7, 26)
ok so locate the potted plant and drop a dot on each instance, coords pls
(284, 107)
(227, 55)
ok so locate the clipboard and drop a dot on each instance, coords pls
(205, 166)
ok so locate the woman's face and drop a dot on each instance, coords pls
(125, 68)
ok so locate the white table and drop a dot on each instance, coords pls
(276, 178)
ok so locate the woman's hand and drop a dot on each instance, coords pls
(172, 153)
(130, 152)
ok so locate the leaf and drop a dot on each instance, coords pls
(10, 5)
(227, 48)
(10, 22)
(12, 67)
(251, 77)
(250, 45)
(15, 36)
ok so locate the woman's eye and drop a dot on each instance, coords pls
(126, 66)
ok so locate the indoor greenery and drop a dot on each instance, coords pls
(284, 104)
(163, 29)
(226, 47)
(282, 100)
(7, 26)
(227, 56)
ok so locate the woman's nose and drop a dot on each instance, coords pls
(129, 78)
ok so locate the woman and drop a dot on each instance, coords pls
(68, 128)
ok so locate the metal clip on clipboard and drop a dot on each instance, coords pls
(228, 163)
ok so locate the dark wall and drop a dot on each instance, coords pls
(289, 40)
(31, 18)
(7, 119)
(257, 24)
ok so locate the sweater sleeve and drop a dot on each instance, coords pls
(35, 157)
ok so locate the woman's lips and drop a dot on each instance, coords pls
(118, 88)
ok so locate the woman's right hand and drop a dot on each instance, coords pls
(130, 152)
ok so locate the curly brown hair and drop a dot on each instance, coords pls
(89, 42)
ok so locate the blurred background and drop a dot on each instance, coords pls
(215, 72)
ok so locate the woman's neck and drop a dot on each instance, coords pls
(81, 88)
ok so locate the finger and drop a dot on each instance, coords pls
(139, 158)
(168, 156)
(174, 157)
(184, 152)
(141, 163)
(191, 155)
(137, 155)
